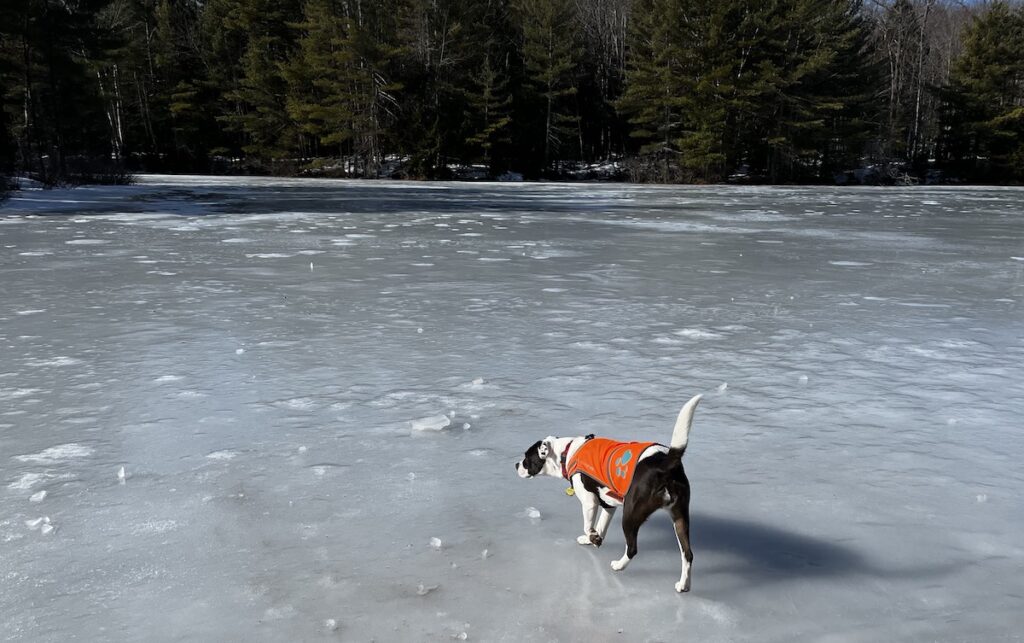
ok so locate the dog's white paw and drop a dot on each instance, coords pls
(683, 587)
(618, 565)
(583, 540)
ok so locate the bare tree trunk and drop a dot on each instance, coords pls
(916, 129)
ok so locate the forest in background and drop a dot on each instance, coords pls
(775, 91)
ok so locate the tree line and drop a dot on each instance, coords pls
(672, 90)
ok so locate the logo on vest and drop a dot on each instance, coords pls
(622, 464)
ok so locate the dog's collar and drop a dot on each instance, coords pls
(565, 452)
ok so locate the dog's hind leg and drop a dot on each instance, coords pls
(634, 514)
(681, 521)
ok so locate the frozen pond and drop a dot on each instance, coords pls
(268, 360)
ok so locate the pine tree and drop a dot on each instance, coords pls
(184, 97)
(801, 80)
(984, 113)
(551, 53)
(339, 88)
(491, 110)
(48, 46)
(653, 85)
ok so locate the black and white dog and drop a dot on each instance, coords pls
(605, 475)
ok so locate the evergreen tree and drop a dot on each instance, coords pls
(491, 111)
(984, 115)
(551, 54)
(340, 92)
(262, 116)
(48, 46)
(184, 98)
(654, 82)
(804, 83)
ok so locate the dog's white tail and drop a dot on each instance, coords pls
(681, 432)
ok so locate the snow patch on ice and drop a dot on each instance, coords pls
(154, 527)
(697, 333)
(432, 423)
(15, 393)
(27, 481)
(60, 360)
(57, 454)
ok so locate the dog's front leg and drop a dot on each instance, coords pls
(604, 519)
(590, 504)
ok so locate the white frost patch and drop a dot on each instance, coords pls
(553, 289)
(238, 240)
(222, 455)
(56, 454)
(666, 341)
(493, 259)
(168, 378)
(279, 613)
(38, 496)
(432, 423)
(31, 311)
(697, 333)
(42, 523)
(154, 527)
(86, 242)
(851, 264)
(532, 513)
(912, 304)
(296, 404)
(15, 393)
(268, 255)
(27, 481)
(60, 360)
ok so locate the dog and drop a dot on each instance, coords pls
(642, 477)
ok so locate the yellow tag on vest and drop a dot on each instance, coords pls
(570, 492)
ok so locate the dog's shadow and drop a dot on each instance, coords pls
(765, 553)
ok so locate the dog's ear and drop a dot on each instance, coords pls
(546, 449)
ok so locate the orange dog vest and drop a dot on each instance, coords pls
(609, 462)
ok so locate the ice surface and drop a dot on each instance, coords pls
(860, 479)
